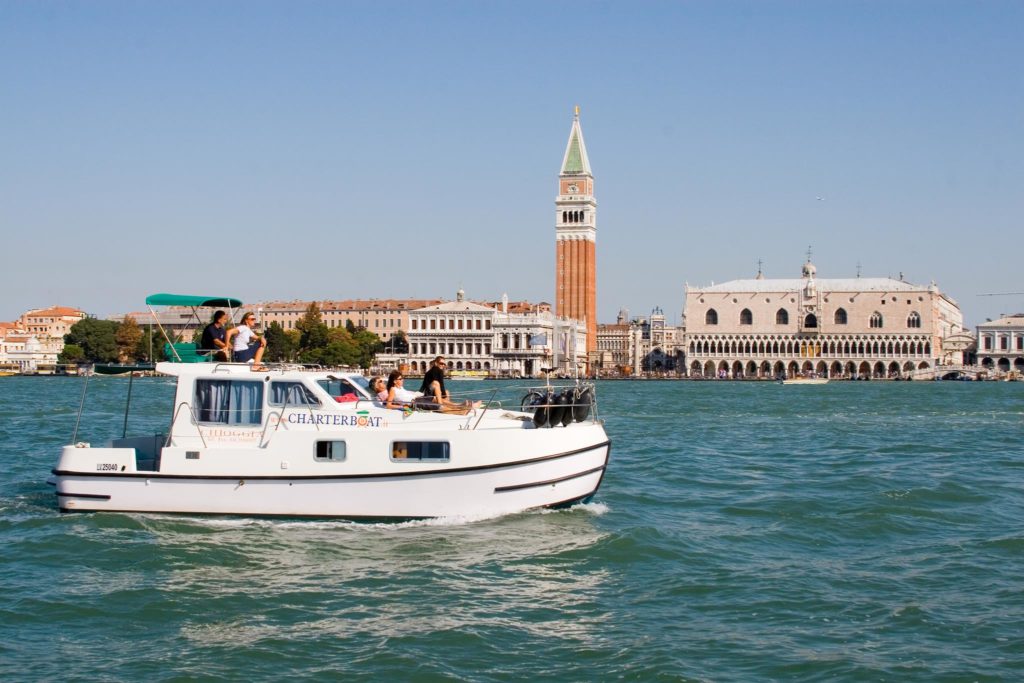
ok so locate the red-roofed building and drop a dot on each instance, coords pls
(383, 317)
(53, 322)
(33, 342)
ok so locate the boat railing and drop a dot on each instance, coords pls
(280, 418)
(195, 421)
(579, 397)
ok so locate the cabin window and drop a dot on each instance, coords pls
(435, 451)
(291, 394)
(330, 451)
(229, 402)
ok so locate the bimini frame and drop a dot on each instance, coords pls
(195, 303)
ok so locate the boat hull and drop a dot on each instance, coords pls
(478, 490)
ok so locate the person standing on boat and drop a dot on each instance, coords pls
(214, 337)
(246, 344)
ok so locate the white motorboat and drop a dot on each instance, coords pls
(805, 380)
(296, 442)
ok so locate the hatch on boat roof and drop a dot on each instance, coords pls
(192, 300)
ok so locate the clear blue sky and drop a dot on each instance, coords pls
(405, 149)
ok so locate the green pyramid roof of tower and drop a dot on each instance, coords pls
(573, 160)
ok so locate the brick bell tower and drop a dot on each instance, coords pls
(575, 237)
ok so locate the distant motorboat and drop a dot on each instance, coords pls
(468, 374)
(805, 380)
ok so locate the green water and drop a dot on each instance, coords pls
(853, 531)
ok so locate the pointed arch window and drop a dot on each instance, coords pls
(841, 316)
(711, 317)
(782, 317)
(746, 317)
(914, 319)
(876, 320)
(811, 321)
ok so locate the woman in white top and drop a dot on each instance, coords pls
(246, 344)
(398, 396)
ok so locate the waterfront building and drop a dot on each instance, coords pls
(575, 238)
(461, 331)
(383, 317)
(33, 343)
(499, 339)
(619, 347)
(638, 346)
(661, 344)
(528, 341)
(180, 323)
(848, 327)
(50, 323)
(12, 339)
(1001, 344)
(25, 353)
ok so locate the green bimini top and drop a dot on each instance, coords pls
(192, 300)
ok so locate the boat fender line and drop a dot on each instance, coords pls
(582, 403)
(565, 401)
(542, 415)
(556, 410)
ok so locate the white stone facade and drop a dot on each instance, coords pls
(1001, 345)
(490, 340)
(853, 327)
(525, 344)
(461, 331)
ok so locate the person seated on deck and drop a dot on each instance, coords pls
(379, 389)
(246, 344)
(433, 385)
(397, 395)
(213, 339)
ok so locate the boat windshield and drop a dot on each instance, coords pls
(362, 383)
(345, 388)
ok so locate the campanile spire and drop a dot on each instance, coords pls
(576, 236)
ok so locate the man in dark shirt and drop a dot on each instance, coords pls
(213, 337)
(433, 381)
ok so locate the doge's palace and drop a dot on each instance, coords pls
(845, 327)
